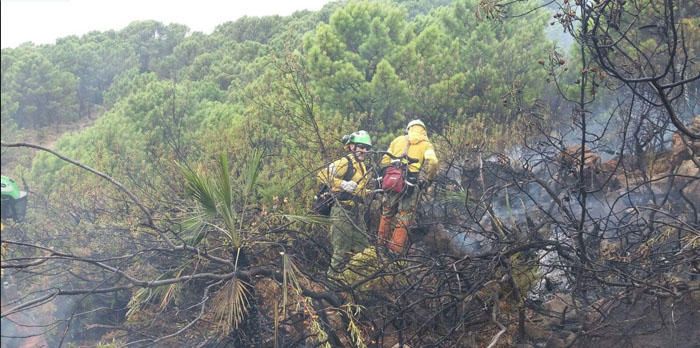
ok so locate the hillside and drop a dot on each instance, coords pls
(171, 176)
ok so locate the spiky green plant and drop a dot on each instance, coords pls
(219, 201)
(215, 199)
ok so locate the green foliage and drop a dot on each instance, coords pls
(213, 195)
(347, 61)
(421, 7)
(220, 199)
(288, 86)
(95, 59)
(37, 92)
(152, 41)
(258, 29)
(275, 94)
(371, 65)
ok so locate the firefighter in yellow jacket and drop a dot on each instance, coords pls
(416, 152)
(348, 234)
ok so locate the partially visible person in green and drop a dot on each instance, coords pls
(348, 234)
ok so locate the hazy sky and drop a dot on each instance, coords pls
(43, 21)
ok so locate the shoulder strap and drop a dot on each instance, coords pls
(405, 149)
(404, 155)
(349, 170)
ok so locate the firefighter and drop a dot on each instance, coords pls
(347, 179)
(415, 154)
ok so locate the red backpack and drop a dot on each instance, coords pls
(394, 178)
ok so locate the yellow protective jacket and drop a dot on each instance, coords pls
(334, 173)
(419, 148)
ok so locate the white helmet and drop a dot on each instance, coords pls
(415, 123)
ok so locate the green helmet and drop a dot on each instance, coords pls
(359, 137)
(10, 188)
(14, 201)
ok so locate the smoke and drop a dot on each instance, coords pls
(25, 328)
(45, 323)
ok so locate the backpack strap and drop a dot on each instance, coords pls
(404, 155)
(405, 149)
(349, 170)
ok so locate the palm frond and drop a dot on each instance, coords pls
(290, 281)
(453, 197)
(224, 182)
(166, 293)
(231, 228)
(170, 292)
(252, 172)
(215, 197)
(231, 305)
(292, 274)
(225, 194)
(137, 302)
(201, 189)
(194, 229)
